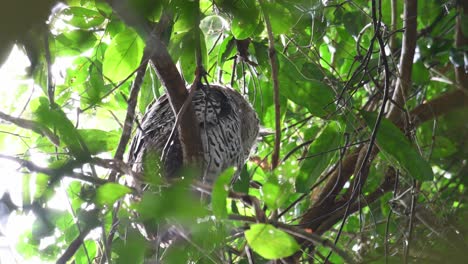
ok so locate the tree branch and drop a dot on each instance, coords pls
(441, 105)
(274, 77)
(461, 41)
(130, 116)
(403, 84)
(189, 132)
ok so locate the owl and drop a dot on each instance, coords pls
(228, 128)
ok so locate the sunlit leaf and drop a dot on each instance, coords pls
(123, 55)
(99, 140)
(109, 193)
(82, 17)
(273, 195)
(270, 242)
(391, 140)
(82, 255)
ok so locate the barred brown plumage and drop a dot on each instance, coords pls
(228, 127)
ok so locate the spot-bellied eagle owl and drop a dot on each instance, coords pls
(228, 129)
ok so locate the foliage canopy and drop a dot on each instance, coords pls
(364, 100)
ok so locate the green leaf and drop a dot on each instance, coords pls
(95, 87)
(273, 195)
(226, 50)
(280, 17)
(99, 140)
(56, 119)
(130, 250)
(320, 156)
(243, 28)
(82, 17)
(393, 142)
(75, 42)
(270, 242)
(220, 193)
(245, 15)
(82, 255)
(109, 193)
(123, 55)
(148, 90)
(313, 94)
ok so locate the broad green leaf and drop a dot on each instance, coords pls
(280, 17)
(393, 142)
(175, 201)
(226, 50)
(82, 18)
(99, 140)
(313, 94)
(270, 242)
(320, 156)
(220, 193)
(148, 90)
(109, 193)
(75, 42)
(56, 119)
(123, 55)
(243, 28)
(273, 195)
(95, 87)
(130, 250)
(186, 16)
(82, 255)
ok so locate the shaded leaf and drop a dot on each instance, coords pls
(75, 42)
(220, 193)
(130, 250)
(320, 156)
(393, 142)
(302, 90)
